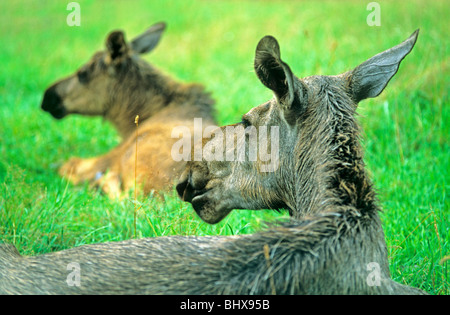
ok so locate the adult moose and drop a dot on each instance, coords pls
(335, 234)
(118, 85)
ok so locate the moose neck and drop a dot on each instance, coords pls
(148, 92)
(331, 171)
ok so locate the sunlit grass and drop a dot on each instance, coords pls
(406, 129)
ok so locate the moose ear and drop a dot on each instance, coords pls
(371, 77)
(273, 72)
(116, 46)
(148, 40)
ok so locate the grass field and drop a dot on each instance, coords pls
(406, 129)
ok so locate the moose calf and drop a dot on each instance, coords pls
(118, 85)
(334, 244)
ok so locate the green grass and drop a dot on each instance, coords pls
(213, 42)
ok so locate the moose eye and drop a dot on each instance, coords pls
(245, 122)
(83, 76)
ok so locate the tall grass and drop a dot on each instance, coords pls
(213, 42)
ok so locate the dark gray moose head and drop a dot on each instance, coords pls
(320, 158)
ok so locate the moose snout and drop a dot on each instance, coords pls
(182, 184)
(184, 187)
(52, 103)
(191, 184)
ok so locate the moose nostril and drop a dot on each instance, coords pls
(181, 187)
(51, 99)
(188, 187)
(53, 103)
(183, 183)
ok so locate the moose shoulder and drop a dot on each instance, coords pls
(334, 244)
(118, 85)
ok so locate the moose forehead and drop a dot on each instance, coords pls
(318, 84)
(98, 57)
(328, 94)
(100, 63)
(97, 61)
(321, 91)
(259, 110)
(103, 59)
